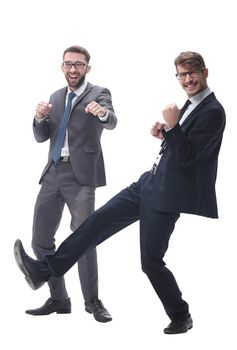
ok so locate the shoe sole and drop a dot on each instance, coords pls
(63, 312)
(20, 264)
(167, 332)
(56, 312)
(87, 309)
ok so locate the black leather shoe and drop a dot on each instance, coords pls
(179, 326)
(62, 306)
(36, 272)
(96, 307)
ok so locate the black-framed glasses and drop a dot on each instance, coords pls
(76, 65)
(192, 74)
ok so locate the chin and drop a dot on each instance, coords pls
(193, 92)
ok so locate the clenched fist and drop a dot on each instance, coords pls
(171, 115)
(156, 130)
(96, 109)
(42, 109)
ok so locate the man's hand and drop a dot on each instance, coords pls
(96, 109)
(171, 115)
(42, 109)
(156, 130)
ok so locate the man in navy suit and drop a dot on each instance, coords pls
(181, 181)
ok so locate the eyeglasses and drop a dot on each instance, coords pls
(192, 74)
(77, 65)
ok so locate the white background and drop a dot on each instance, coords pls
(133, 45)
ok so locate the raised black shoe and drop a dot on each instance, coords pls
(179, 326)
(36, 272)
(62, 306)
(96, 307)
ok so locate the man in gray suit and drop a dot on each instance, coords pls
(72, 174)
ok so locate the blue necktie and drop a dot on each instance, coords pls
(62, 129)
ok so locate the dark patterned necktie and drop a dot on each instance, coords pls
(183, 109)
(62, 129)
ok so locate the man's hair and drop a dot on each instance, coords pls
(190, 58)
(78, 49)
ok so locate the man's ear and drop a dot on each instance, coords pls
(205, 72)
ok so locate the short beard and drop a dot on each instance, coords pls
(81, 81)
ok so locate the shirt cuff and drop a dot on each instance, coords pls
(105, 117)
(166, 128)
(39, 120)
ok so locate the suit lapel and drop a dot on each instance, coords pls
(189, 117)
(78, 100)
(85, 92)
(197, 108)
(61, 99)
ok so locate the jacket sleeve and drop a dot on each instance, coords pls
(41, 129)
(105, 100)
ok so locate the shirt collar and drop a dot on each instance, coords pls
(80, 90)
(200, 96)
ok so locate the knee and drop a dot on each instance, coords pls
(149, 266)
(41, 247)
(35, 244)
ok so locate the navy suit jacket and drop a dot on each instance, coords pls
(84, 133)
(186, 174)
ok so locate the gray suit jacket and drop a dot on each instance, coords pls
(84, 133)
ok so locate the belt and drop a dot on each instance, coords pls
(65, 159)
